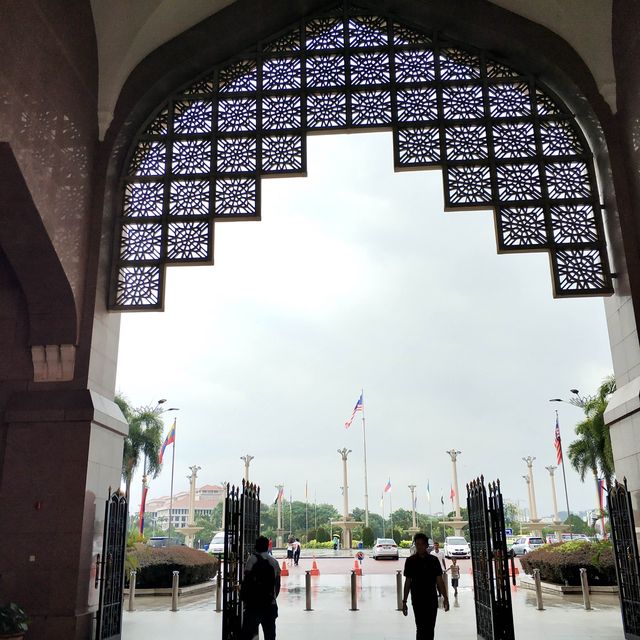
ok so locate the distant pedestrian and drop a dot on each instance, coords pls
(258, 592)
(290, 548)
(454, 569)
(439, 553)
(423, 579)
(270, 546)
(297, 547)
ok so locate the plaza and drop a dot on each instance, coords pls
(130, 130)
(563, 618)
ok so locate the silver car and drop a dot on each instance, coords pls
(524, 544)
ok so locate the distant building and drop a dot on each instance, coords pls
(207, 498)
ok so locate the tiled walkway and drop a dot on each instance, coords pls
(562, 619)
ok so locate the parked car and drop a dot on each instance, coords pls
(574, 536)
(216, 546)
(524, 544)
(456, 547)
(164, 541)
(385, 548)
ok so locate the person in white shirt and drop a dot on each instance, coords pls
(439, 553)
(297, 547)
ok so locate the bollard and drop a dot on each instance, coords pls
(174, 590)
(132, 590)
(584, 581)
(354, 595)
(399, 590)
(536, 577)
(307, 589)
(218, 591)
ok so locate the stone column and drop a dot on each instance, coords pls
(534, 510)
(528, 481)
(247, 461)
(190, 530)
(414, 525)
(279, 530)
(551, 469)
(346, 542)
(454, 474)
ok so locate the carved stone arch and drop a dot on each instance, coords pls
(37, 267)
(502, 138)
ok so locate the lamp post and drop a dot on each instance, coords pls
(528, 481)
(145, 481)
(247, 461)
(551, 469)
(412, 488)
(534, 509)
(454, 471)
(279, 530)
(344, 453)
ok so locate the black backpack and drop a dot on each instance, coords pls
(259, 585)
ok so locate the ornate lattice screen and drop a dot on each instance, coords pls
(501, 138)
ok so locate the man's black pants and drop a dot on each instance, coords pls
(425, 611)
(253, 618)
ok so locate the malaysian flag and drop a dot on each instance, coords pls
(558, 442)
(359, 407)
(452, 494)
(387, 487)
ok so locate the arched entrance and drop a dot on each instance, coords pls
(501, 137)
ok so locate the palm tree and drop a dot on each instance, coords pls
(144, 440)
(591, 451)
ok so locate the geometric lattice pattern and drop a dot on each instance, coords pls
(501, 139)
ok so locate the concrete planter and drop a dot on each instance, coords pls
(193, 589)
(526, 582)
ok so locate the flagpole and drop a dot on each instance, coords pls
(366, 488)
(173, 466)
(306, 509)
(290, 512)
(564, 476)
(430, 516)
(390, 513)
(384, 528)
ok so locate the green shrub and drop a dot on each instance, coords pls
(322, 535)
(315, 544)
(367, 537)
(155, 566)
(560, 563)
(405, 544)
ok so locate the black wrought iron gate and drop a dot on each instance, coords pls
(490, 562)
(242, 527)
(110, 569)
(625, 547)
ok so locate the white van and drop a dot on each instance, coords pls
(216, 546)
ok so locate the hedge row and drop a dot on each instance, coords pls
(155, 566)
(560, 563)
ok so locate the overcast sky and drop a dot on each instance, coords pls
(356, 278)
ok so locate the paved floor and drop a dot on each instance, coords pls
(562, 619)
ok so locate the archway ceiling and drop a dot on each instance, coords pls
(128, 32)
(502, 139)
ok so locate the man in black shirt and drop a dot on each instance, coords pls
(423, 574)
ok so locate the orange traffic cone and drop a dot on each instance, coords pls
(284, 571)
(357, 568)
(314, 569)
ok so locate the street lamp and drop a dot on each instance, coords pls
(247, 460)
(157, 410)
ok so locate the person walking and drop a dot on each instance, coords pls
(259, 591)
(270, 549)
(423, 580)
(439, 553)
(297, 547)
(454, 569)
(290, 549)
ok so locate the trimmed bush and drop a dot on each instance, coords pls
(315, 544)
(367, 537)
(322, 535)
(560, 563)
(155, 566)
